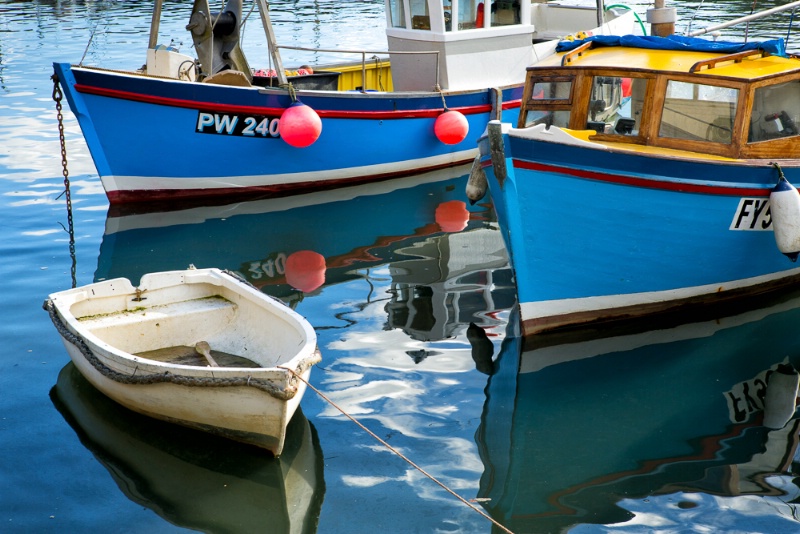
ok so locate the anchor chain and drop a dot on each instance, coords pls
(167, 377)
(57, 97)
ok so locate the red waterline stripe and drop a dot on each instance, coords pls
(256, 110)
(643, 182)
(122, 196)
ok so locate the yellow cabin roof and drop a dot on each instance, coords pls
(641, 59)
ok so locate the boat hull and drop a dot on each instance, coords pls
(110, 332)
(573, 432)
(597, 234)
(178, 473)
(155, 138)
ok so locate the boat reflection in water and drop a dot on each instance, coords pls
(443, 255)
(663, 429)
(192, 479)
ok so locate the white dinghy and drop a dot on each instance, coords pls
(199, 347)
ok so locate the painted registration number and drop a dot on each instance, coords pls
(240, 125)
(752, 214)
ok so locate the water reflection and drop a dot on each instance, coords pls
(193, 479)
(443, 264)
(391, 275)
(648, 429)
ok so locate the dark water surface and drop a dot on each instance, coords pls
(661, 431)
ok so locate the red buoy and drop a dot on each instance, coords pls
(305, 270)
(299, 125)
(452, 216)
(451, 127)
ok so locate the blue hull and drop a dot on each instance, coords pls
(154, 138)
(595, 234)
(572, 433)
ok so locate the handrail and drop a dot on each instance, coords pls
(737, 57)
(364, 58)
(572, 54)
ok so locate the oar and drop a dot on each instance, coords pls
(202, 347)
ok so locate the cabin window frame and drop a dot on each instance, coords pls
(581, 111)
(529, 103)
(697, 145)
(778, 148)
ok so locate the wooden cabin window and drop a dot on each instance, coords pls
(558, 118)
(776, 112)
(699, 112)
(549, 102)
(551, 91)
(397, 13)
(615, 105)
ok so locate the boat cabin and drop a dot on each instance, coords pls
(743, 105)
(470, 41)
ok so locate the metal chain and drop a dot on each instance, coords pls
(57, 97)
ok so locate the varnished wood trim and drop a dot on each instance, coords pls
(736, 58)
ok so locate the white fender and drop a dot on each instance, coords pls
(784, 201)
(780, 400)
(477, 184)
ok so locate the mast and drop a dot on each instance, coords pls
(154, 23)
(600, 11)
(661, 19)
(263, 8)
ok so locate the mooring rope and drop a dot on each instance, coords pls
(401, 455)
(167, 377)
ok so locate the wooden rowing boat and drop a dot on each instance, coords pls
(198, 347)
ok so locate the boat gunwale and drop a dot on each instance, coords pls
(122, 362)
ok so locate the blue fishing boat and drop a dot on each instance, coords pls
(674, 424)
(649, 176)
(421, 108)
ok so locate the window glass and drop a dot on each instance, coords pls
(544, 90)
(549, 118)
(469, 13)
(505, 12)
(420, 18)
(698, 112)
(776, 112)
(448, 15)
(397, 13)
(616, 105)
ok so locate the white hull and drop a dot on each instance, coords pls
(116, 322)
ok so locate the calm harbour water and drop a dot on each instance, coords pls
(656, 432)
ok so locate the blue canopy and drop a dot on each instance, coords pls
(776, 47)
